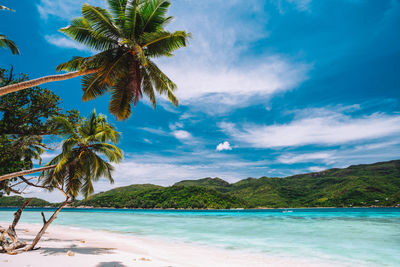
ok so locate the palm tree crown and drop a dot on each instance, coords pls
(128, 37)
(81, 161)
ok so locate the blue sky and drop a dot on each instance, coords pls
(267, 88)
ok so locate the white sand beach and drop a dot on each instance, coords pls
(70, 246)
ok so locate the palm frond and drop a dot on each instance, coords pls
(163, 43)
(102, 59)
(92, 87)
(106, 133)
(100, 21)
(118, 8)
(81, 31)
(76, 63)
(147, 87)
(154, 14)
(120, 103)
(5, 42)
(112, 152)
(161, 81)
(133, 20)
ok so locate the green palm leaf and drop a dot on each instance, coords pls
(163, 43)
(100, 21)
(7, 43)
(86, 156)
(82, 31)
(120, 103)
(118, 9)
(127, 37)
(154, 14)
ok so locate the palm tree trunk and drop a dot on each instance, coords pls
(22, 173)
(16, 243)
(46, 224)
(52, 78)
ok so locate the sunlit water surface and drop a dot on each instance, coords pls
(358, 237)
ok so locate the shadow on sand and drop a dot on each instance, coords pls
(78, 250)
(111, 264)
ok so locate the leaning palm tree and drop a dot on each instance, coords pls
(127, 37)
(86, 155)
(4, 41)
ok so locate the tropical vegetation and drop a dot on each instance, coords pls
(87, 153)
(25, 126)
(126, 38)
(361, 185)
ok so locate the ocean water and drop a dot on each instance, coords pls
(355, 236)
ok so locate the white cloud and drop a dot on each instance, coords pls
(330, 129)
(219, 68)
(181, 134)
(65, 42)
(310, 157)
(224, 146)
(147, 141)
(301, 5)
(176, 125)
(236, 85)
(164, 170)
(64, 9)
(377, 145)
(316, 169)
(157, 131)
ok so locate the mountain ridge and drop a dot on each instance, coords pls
(376, 184)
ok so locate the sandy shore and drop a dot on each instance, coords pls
(102, 248)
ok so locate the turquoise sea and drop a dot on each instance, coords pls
(355, 236)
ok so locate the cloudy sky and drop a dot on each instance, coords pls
(267, 88)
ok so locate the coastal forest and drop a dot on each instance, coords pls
(356, 186)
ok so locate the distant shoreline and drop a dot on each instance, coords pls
(239, 209)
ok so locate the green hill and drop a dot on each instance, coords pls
(177, 196)
(17, 201)
(361, 185)
(209, 182)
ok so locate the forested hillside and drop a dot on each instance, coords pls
(361, 185)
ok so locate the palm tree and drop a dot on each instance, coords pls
(127, 37)
(4, 41)
(81, 162)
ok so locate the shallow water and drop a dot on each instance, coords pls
(357, 237)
